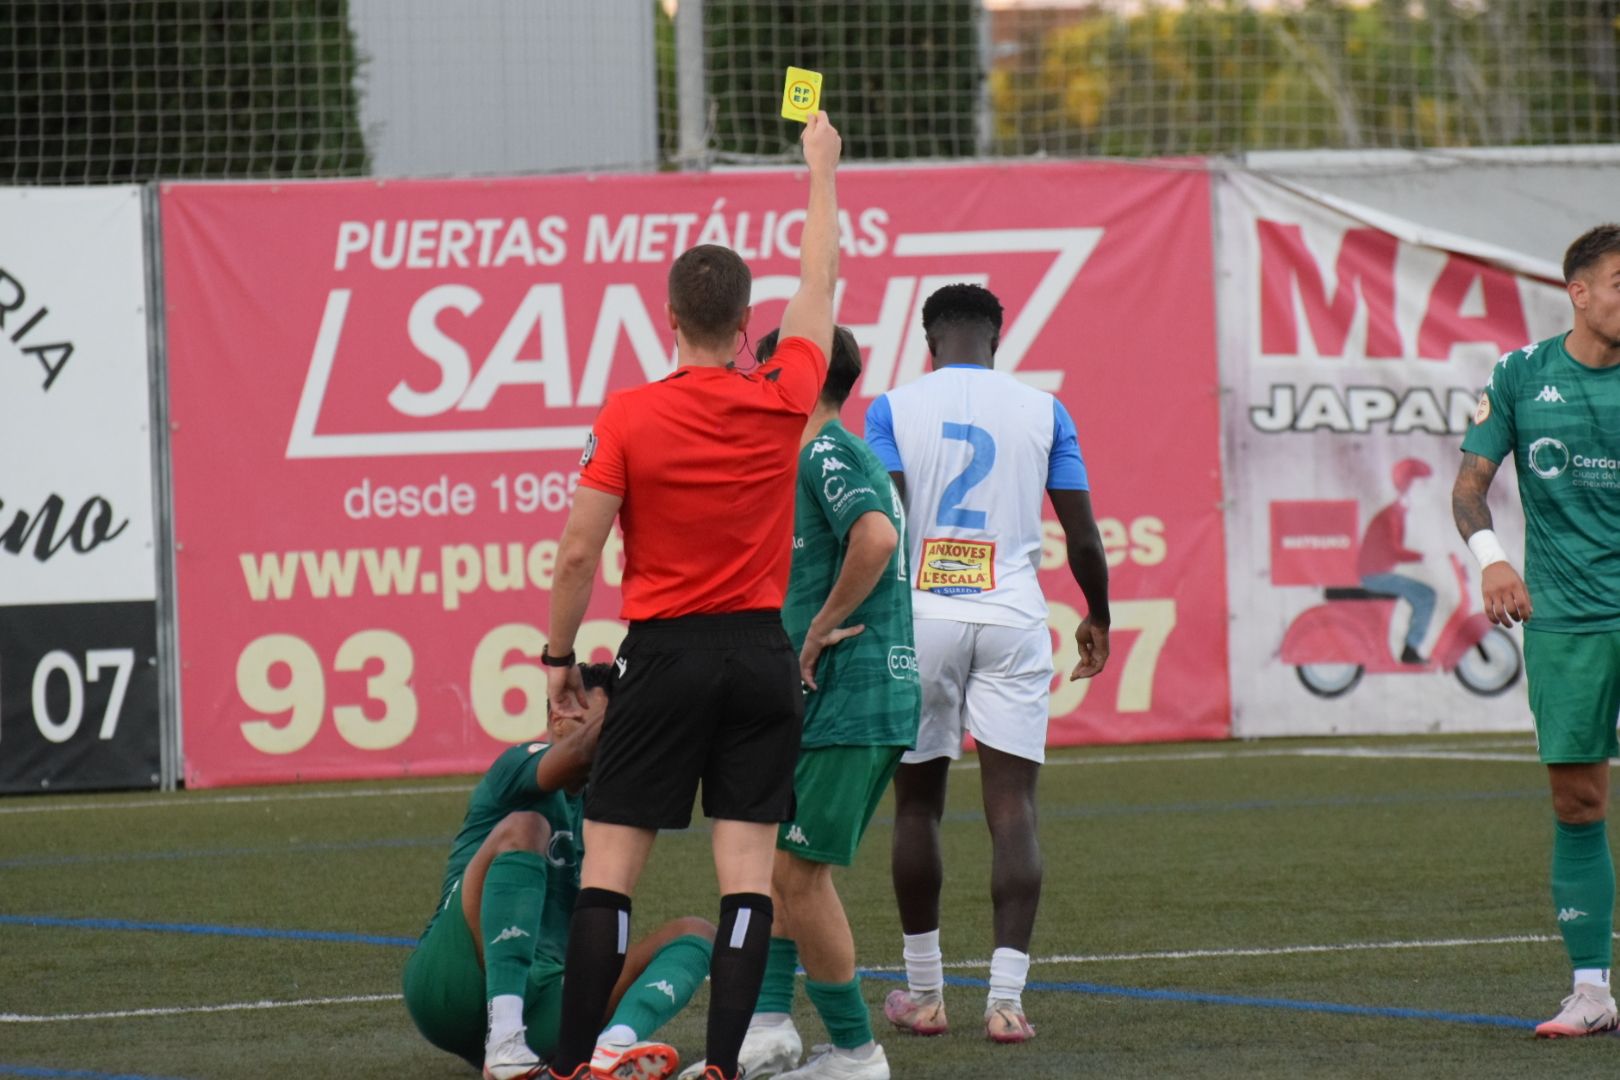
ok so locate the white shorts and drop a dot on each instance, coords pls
(994, 682)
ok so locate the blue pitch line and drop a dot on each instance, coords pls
(31, 861)
(1100, 989)
(71, 1074)
(206, 930)
(1384, 1012)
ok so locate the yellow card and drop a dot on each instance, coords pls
(801, 96)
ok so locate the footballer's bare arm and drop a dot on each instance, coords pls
(1506, 598)
(1468, 495)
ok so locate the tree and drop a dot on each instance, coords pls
(902, 78)
(105, 91)
(1222, 76)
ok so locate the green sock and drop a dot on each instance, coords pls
(1583, 892)
(514, 896)
(843, 1010)
(663, 990)
(781, 967)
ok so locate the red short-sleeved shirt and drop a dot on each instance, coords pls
(705, 462)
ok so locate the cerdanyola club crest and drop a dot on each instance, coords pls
(1548, 458)
(590, 449)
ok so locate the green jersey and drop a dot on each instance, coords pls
(509, 786)
(869, 692)
(1561, 422)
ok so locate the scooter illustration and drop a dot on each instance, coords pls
(1332, 644)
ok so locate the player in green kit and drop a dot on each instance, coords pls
(848, 612)
(1555, 406)
(485, 981)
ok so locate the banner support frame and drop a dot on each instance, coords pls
(163, 547)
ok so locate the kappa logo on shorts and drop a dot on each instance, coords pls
(795, 835)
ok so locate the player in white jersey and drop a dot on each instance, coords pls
(971, 450)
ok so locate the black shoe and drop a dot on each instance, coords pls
(1410, 655)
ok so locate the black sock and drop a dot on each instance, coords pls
(741, 945)
(598, 936)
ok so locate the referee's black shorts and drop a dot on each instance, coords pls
(710, 698)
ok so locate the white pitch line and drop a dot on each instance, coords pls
(1083, 958)
(182, 802)
(184, 1010)
(1279, 950)
(1415, 754)
(1421, 755)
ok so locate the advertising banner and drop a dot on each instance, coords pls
(78, 578)
(380, 393)
(1354, 351)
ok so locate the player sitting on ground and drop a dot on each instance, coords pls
(498, 936)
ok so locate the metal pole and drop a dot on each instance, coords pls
(690, 80)
(983, 121)
(168, 636)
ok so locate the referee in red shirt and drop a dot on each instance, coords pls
(699, 468)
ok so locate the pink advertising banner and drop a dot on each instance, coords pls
(380, 392)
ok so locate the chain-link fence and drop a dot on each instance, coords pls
(1017, 78)
(107, 90)
(1229, 76)
(902, 79)
(96, 91)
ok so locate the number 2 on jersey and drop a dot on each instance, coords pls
(951, 511)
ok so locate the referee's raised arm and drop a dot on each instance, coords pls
(810, 313)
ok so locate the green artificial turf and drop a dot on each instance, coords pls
(1229, 850)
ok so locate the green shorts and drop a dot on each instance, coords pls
(1574, 694)
(837, 790)
(444, 991)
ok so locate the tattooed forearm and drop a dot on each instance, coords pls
(1468, 505)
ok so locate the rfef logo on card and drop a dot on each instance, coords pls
(801, 94)
(956, 567)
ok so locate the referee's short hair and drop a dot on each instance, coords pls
(709, 287)
(843, 366)
(1589, 247)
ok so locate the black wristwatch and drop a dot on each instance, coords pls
(547, 660)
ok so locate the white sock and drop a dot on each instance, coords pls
(925, 964)
(859, 1053)
(770, 1019)
(623, 1034)
(505, 1016)
(1592, 977)
(1009, 970)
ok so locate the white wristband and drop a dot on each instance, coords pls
(1487, 548)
